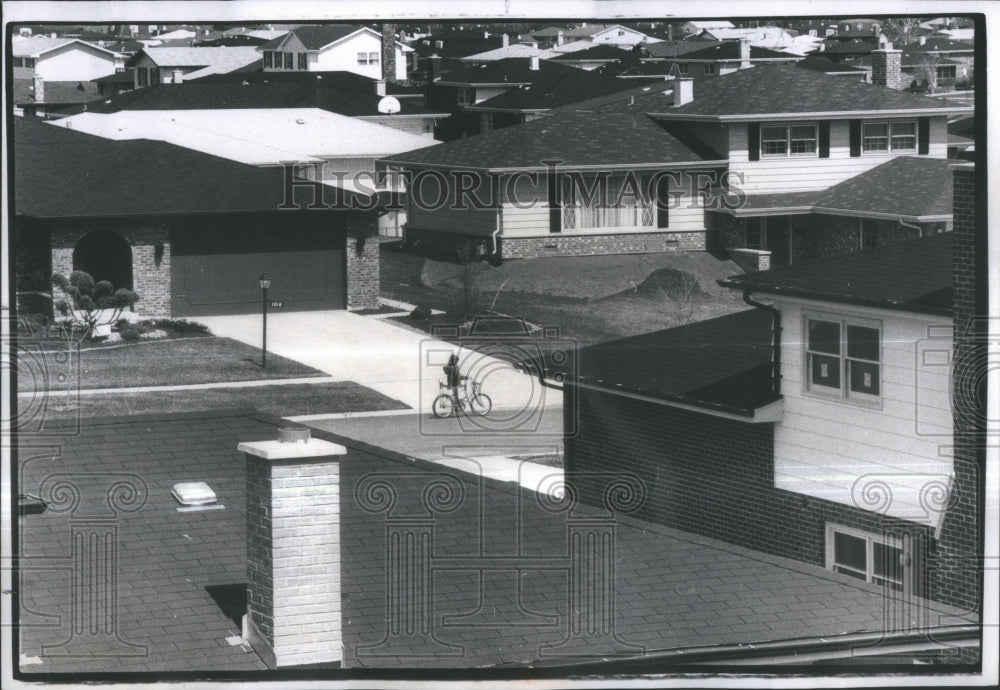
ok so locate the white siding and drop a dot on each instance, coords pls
(74, 63)
(844, 452)
(795, 174)
(424, 126)
(344, 56)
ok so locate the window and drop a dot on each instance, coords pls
(879, 559)
(843, 358)
(788, 140)
(619, 203)
(268, 58)
(754, 233)
(154, 76)
(303, 64)
(368, 58)
(869, 233)
(946, 72)
(289, 60)
(683, 67)
(466, 96)
(143, 73)
(709, 68)
(883, 137)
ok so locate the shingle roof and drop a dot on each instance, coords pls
(818, 63)
(909, 276)
(730, 50)
(722, 363)
(507, 71)
(126, 76)
(788, 90)
(56, 92)
(36, 46)
(908, 186)
(573, 138)
(203, 95)
(601, 51)
(669, 49)
(934, 44)
(334, 79)
(315, 37)
(225, 58)
(552, 89)
(59, 173)
(854, 46)
(517, 50)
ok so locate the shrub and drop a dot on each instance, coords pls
(420, 313)
(180, 326)
(130, 332)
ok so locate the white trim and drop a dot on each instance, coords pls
(828, 115)
(871, 538)
(843, 394)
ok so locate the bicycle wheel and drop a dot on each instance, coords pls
(481, 404)
(443, 406)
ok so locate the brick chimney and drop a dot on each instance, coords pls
(38, 88)
(887, 67)
(683, 90)
(293, 551)
(389, 53)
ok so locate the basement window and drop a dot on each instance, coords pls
(879, 559)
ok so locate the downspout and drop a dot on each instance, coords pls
(775, 339)
(499, 202)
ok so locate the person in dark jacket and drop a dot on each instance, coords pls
(451, 371)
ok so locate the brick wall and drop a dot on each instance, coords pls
(960, 534)
(887, 68)
(362, 256)
(149, 279)
(715, 477)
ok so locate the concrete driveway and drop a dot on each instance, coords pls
(395, 361)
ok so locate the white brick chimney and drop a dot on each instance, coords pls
(38, 87)
(533, 63)
(293, 551)
(745, 54)
(380, 87)
(683, 90)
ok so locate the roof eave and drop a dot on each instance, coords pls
(767, 411)
(659, 165)
(833, 297)
(828, 115)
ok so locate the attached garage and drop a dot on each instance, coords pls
(216, 272)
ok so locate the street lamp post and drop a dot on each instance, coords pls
(264, 283)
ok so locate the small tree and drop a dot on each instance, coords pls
(91, 304)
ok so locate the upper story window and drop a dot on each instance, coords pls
(368, 58)
(886, 137)
(788, 140)
(709, 68)
(466, 96)
(843, 358)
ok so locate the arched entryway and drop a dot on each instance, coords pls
(105, 255)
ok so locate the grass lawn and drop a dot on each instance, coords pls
(590, 299)
(279, 400)
(157, 363)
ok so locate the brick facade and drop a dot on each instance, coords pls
(887, 68)
(714, 476)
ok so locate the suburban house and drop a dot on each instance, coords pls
(334, 149)
(773, 37)
(726, 57)
(174, 65)
(850, 47)
(593, 57)
(697, 26)
(613, 34)
(343, 93)
(789, 159)
(490, 95)
(193, 243)
(819, 425)
(37, 98)
(941, 62)
(333, 47)
(62, 59)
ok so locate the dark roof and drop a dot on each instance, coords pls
(602, 51)
(854, 46)
(722, 363)
(909, 186)
(818, 63)
(315, 37)
(457, 44)
(669, 49)
(126, 76)
(786, 89)
(910, 276)
(553, 89)
(730, 50)
(202, 95)
(56, 92)
(934, 44)
(337, 79)
(507, 71)
(59, 173)
(572, 138)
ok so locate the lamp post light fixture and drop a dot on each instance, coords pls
(264, 283)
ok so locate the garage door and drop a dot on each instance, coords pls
(215, 270)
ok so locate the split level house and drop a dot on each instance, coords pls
(834, 422)
(191, 243)
(174, 65)
(776, 164)
(62, 59)
(335, 47)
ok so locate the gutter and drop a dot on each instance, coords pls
(775, 339)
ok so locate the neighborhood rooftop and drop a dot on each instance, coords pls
(910, 276)
(552, 89)
(315, 37)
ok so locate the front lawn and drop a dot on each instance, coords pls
(183, 361)
(282, 400)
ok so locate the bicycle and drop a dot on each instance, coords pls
(454, 400)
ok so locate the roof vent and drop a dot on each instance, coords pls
(194, 494)
(300, 121)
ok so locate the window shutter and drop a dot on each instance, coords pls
(555, 210)
(663, 202)
(753, 140)
(923, 135)
(855, 138)
(824, 139)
